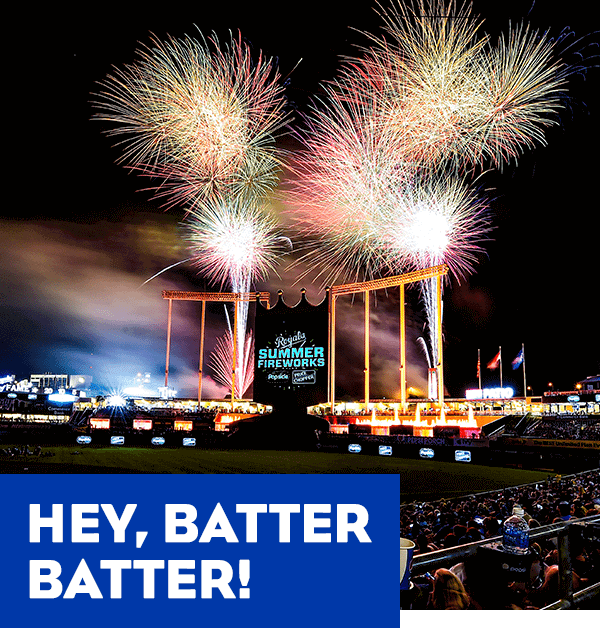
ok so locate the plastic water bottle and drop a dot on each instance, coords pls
(515, 533)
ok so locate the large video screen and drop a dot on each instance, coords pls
(142, 424)
(291, 354)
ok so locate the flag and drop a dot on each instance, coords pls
(478, 364)
(516, 363)
(495, 362)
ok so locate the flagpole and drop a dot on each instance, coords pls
(501, 386)
(500, 354)
(479, 376)
(524, 376)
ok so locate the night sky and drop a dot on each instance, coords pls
(82, 236)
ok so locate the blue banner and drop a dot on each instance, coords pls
(211, 550)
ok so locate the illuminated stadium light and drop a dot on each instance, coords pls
(116, 401)
(62, 397)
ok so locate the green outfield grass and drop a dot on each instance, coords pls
(419, 479)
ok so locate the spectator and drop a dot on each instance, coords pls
(549, 591)
(578, 510)
(459, 532)
(472, 535)
(564, 511)
(491, 527)
(450, 540)
(448, 592)
(424, 545)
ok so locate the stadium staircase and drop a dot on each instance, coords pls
(79, 417)
(510, 425)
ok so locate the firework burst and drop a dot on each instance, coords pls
(345, 178)
(450, 95)
(438, 220)
(234, 243)
(199, 117)
(369, 211)
(429, 97)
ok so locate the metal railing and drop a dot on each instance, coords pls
(422, 563)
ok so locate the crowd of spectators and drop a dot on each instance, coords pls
(446, 524)
(583, 428)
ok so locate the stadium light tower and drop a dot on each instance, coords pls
(219, 297)
(377, 284)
